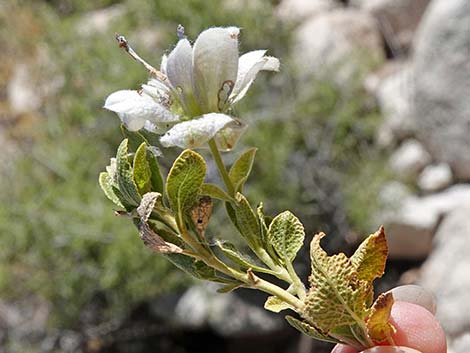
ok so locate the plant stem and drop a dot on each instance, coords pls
(221, 167)
(298, 284)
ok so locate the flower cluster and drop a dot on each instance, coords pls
(189, 100)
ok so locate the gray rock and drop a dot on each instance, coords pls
(435, 177)
(227, 314)
(299, 10)
(393, 92)
(398, 19)
(409, 159)
(410, 224)
(446, 271)
(442, 83)
(337, 45)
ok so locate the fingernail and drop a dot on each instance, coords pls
(416, 295)
(390, 349)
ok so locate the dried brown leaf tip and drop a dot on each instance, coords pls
(378, 324)
(156, 243)
(201, 213)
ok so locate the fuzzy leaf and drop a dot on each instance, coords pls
(125, 177)
(370, 257)
(336, 297)
(142, 172)
(247, 221)
(275, 304)
(309, 330)
(215, 192)
(107, 186)
(233, 254)
(241, 169)
(378, 324)
(185, 180)
(286, 234)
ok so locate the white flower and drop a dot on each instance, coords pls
(189, 98)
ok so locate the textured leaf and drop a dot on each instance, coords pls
(142, 173)
(107, 186)
(135, 138)
(125, 177)
(309, 330)
(378, 324)
(241, 169)
(370, 257)
(275, 304)
(215, 192)
(156, 179)
(286, 234)
(247, 221)
(233, 254)
(185, 180)
(336, 297)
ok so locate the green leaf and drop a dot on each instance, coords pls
(378, 324)
(309, 330)
(337, 296)
(142, 172)
(286, 234)
(156, 178)
(370, 257)
(215, 192)
(247, 221)
(276, 305)
(107, 186)
(125, 177)
(185, 180)
(241, 169)
(233, 254)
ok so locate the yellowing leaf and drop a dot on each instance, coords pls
(286, 234)
(336, 297)
(275, 304)
(125, 178)
(201, 213)
(142, 173)
(215, 192)
(370, 257)
(378, 324)
(246, 221)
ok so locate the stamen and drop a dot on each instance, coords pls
(123, 43)
(180, 32)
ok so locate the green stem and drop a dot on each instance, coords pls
(298, 284)
(221, 167)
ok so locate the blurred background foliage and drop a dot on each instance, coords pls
(60, 239)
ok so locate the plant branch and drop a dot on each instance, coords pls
(221, 167)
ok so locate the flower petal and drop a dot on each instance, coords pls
(163, 64)
(215, 65)
(194, 133)
(179, 70)
(249, 65)
(227, 138)
(134, 108)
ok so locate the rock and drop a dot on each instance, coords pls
(446, 271)
(299, 10)
(227, 314)
(411, 222)
(99, 21)
(398, 19)
(441, 78)
(435, 177)
(337, 45)
(23, 96)
(409, 159)
(393, 92)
